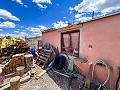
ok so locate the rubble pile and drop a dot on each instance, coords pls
(10, 46)
(12, 53)
(10, 65)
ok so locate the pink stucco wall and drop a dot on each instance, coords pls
(104, 36)
(52, 37)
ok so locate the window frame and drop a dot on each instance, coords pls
(69, 32)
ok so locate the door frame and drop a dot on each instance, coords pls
(67, 32)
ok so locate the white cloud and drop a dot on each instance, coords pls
(32, 29)
(37, 34)
(37, 30)
(7, 15)
(64, 17)
(98, 6)
(7, 24)
(24, 30)
(23, 34)
(25, 6)
(60, 24)
(16, 31)
(42, 6)
(41, 3)
(1, 30)
(13, 35)
(20, 2)
(83, 19)
(70, 8)
(21, 26)
(102, 7)
(8, 34)
(78, 15)
(1, 34)
(42, 27)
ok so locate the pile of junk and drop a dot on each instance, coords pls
(17, 64)
(15, 61)
(64, 64)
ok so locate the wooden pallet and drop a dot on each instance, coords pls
(44, 57)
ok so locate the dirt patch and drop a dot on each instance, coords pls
(49, 81)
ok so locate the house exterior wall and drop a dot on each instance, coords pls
(104, 37)
(53, 38)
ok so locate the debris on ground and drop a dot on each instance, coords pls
(48, 69)
(49, 81)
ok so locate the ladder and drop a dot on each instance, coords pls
(44, 57)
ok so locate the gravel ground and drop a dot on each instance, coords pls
(49, 81)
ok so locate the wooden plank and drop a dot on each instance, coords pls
(3, 84)
(44, 53)
(47, 61)
(46, 50)
(42, 73)
(9, 75)
(24, 79)
(43, 58)
(6, 87)
(41, 54)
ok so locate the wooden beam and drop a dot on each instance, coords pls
(42, 73)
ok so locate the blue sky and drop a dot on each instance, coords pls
(30, 17)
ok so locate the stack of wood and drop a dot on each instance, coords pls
(20, 47)
(16, 61)
(23, 47)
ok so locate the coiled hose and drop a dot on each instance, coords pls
(104, 64)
